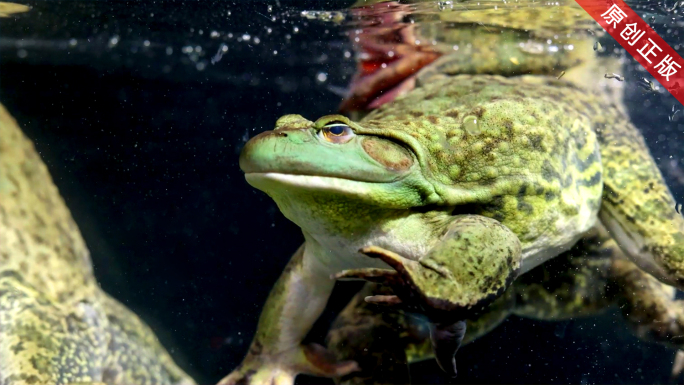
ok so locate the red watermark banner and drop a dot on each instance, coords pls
(635, 35)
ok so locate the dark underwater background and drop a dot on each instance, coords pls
(143, 144)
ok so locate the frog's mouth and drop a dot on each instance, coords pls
(389, 55)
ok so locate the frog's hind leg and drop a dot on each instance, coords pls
(571, 285)
(638, 208)
(384, 342)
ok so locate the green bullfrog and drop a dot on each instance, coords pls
(446, 193)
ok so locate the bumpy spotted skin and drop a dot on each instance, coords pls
(57, 325)
(638, 207)
(583, 281)
(547, 158)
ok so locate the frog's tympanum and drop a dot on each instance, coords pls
(448, 191)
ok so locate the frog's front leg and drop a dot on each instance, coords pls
(276, 354)
(474, 262)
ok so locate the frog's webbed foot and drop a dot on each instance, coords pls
(472, 265)
(283, 367)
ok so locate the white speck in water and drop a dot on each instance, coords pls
(322, 77)
(270, 8)
(268, 30)
(214, 34)
(273, 18)
(455, 48)
(383, 65)
(22, 53)
(73, 42)
(224, 48)
(146, 43)
(114, 40)
(356, 39)
(275, 52)
(257, 40)
(230, 35)
(288, 36)
(295, 29)
(229, 13)
(198, 49)
(246, 37)
(169, 50)
(201, 32)
(186, 49)
(390, 53)
(347, 54)
(417, 42)
(200, 66)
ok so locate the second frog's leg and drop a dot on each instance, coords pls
(638, 208)
(475, 261)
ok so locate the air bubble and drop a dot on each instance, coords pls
(472, 125)
(322, 77)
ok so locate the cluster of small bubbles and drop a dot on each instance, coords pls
(73, 42)
(445, 5)
(114, 40)
(214, 34)
(22, 53)
(322, 77)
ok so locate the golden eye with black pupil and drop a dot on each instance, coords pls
(337, 132)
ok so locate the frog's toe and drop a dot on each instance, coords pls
(371, 275)
(446, 339)
(396, 261)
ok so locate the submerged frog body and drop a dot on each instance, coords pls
(458, 187)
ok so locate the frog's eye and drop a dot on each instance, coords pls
(337, 132)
